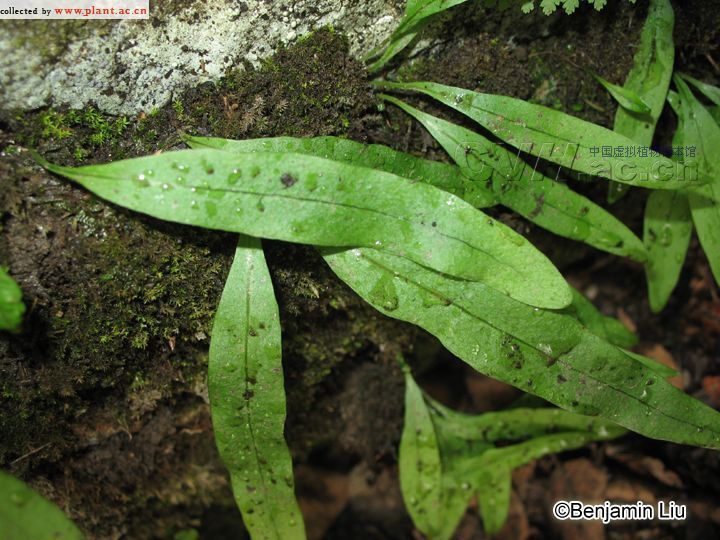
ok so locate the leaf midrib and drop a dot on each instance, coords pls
(559, 359)
(433, 230)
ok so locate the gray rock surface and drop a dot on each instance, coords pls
(125, 67)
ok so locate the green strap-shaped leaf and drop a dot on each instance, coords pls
(667, 230)
(397, 43)
(541, 352)
(417, 14)
(517, 424)
(547, 203)
(653, 365)
(607, 328)
(519, 454)
(709, 91)
(447, 457)
(418, 10)
(668, 227)
(419, 463)
(649, 78)
(247, 398)
(558, 137)
(700, 130)
(715, 112)
(11, 305)
(490, 472)
(25, 515)
(311, 200)
(493, 485)
(625, 97)
(375, 156)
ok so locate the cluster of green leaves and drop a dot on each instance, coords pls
(409, 236)
(554, 136)
(544, 134)
(648, 80)
(25, 514)
(312, 200)
(448, 458)
(517, 185)
(421, 254)
(670, 218)
(11, 305)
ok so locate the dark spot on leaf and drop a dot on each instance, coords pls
(252, 332)
(539, 202)
(434, 223)
(561, 379)
(209, 169)
(288, 180)
(248, 394)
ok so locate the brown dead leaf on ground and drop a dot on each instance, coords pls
(646, 466)
(705, 510)
(522, 476)
(577, 480)
(488, 394)
(627, 321)
(624, 490)
(516, 526)
(469, 528)
(322, 495)
(711, 385)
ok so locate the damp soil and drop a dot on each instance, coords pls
(104, 395)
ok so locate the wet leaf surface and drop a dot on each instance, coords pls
(558, 137)
(25, 515)
(447, 457)
(247, 398)
(541, 352)
(547, 203)
(699, 130)
(306, 199)
(649, 79)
